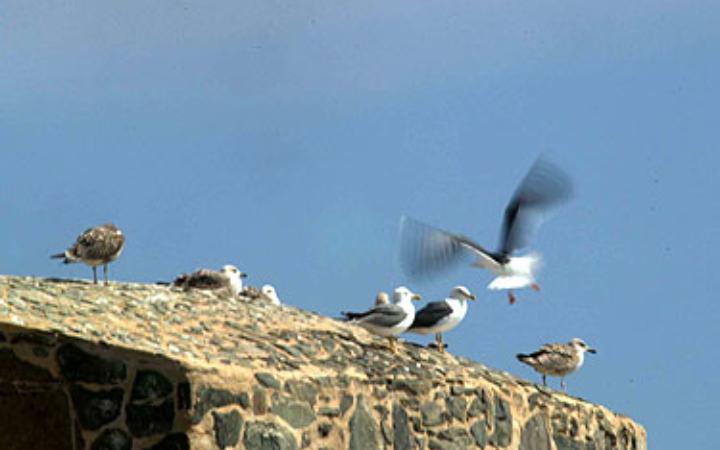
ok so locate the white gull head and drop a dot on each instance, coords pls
(234, 277)
(268, 291)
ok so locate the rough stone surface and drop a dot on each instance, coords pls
(401, 431)
(113, 439)
(210, 398)
(78, 365)
(227, 428)
(502, 436)
(13, 368)
(479, 431)
(534, 435)
(96, 408)
(296, 414)
(147, 420)
(364, 433)
(150, 385)
(268, 436)
(432, 414)
(267, 380)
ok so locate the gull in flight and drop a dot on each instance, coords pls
(557, 359)
(388, 320)
(229, 278)
(439, 317)
(426, 250)
(96, 246)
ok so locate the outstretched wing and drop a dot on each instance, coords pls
(426, 250)
(544, 186)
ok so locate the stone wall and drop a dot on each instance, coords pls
(135, 367)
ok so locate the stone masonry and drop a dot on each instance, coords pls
(134, 366)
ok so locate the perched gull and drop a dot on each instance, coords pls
(439, 317)
(95, 246)
(426, 249)
(388, 320)
(229, 277)
(382, 298)
(268, 292)
(557, 359)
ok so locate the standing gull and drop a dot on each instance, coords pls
(439, 317)
(557, 359)
(96, 246)
(229, 278)
(426, 250)
(388, 320)
(268, 292)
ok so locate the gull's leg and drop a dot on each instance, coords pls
(511, 297)
(105, 272)
(535, 287)
(563, 386)
(94, 274)
(544, 380)
(393, 347)
(439, 341)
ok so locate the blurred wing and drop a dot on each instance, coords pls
(544, 186)
(426, 250)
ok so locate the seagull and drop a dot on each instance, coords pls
(388, 320)
(382, 298)
(426, 250)
(96, 246)
(442, 316)
(229, 277)
(557, 359)
(268, 292)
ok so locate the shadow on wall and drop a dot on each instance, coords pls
(63, 393)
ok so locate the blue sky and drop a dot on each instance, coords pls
(289, 138)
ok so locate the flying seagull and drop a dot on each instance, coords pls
(388, 320)
(426, 250)
(96, 246)
(229, 278)
(439, 317)
(557, 359)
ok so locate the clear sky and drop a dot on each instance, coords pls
(288, 138)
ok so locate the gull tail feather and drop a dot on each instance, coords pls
(62, 256)
(509, 282)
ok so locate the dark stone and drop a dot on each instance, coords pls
(150, 385)
(432, 414)
(535, 434)
(324, 429)
(456, 407)
(387, 432)
(457, 436)
(435, 444)
(35, 418)
(2, 337)
(211, 398)
(96, 408)
(40, 352)
(304, 391)
(267, 380)
(79, 440)
(401, 431)
(146, 420)
(329, 412)
(113, 439)
(296, 414)
(15, 369)
(244, 400)
(268, 436)
(227, 428)
(479, 405)
(78, 365)
(479, 431)
(364, 434)
(34, 339)
(345, 403)
(175, 441)
(413, 387)
(184, 396)
(260, 403)
(563, 442)
(502, 436)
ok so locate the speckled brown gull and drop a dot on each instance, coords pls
(95, 246)
(557, 359)
(229, 278)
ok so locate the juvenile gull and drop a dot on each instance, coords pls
(268, 292)
(388, 320)
(557, 359)
(427, 250)
(229, 278)
(439, 317)
(95, 246)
